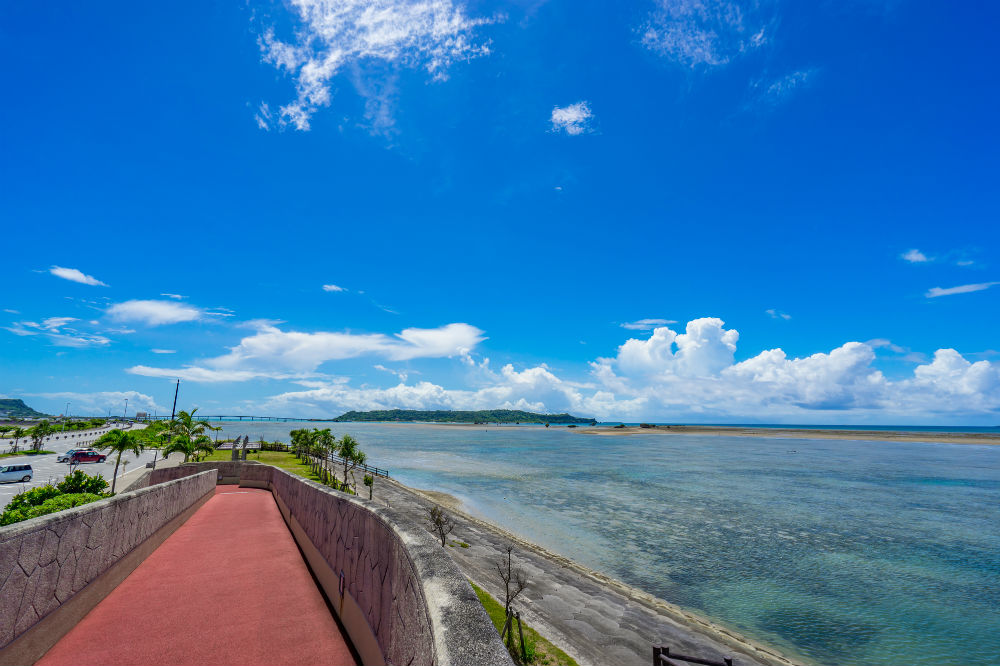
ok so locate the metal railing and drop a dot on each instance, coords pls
(384, 473)
(663, 657)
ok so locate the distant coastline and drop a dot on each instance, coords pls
(940, 436)
(483, 416)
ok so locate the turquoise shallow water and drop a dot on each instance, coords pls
(837, 551)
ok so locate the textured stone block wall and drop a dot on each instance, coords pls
(46, 560)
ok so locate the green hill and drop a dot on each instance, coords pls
(450, 416)
(16, 409)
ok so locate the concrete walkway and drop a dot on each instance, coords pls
(228, 587)
(597, 621)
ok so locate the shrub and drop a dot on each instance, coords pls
(33, 497)
(51, 505)
(78, 482)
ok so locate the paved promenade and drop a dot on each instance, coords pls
(228, 587)
(598, 622)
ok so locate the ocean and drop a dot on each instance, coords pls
(833, 551)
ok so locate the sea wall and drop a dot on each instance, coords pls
(399, 595)
(55, 568)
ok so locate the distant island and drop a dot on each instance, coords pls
(16, 409)
(450, 416)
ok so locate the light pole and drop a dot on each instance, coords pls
(65, 417)
(126, 409)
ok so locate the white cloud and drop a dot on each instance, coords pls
(693, 376)
(334, 34)
(332, 287)
(914, 256)
(777, 314)
(706, 33)
(163, 351)
(155, 313)
(58, 332)
(9, 311)
(274, 353)
(98, 404)
(965, 262)
(75, 275)
(176, 297)
(934, 292)
(573, 119)
(646, 324)
(772, 92)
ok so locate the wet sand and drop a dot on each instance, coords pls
(803, 433)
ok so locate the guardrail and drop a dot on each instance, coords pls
(662, 657)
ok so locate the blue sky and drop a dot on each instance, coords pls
(664, 210)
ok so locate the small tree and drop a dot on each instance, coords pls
(370, 482)
(513, 578)
(18, 434)
(350, 451)
(39, 433)
(441, 524)
(119, 442)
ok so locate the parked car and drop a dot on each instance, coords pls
(15, 473)
(87, 456)
(66, 456)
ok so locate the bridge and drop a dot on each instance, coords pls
(234, 417)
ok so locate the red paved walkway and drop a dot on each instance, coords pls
(228, 587)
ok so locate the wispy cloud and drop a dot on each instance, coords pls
(59, 333)
(9, 311)
(914, 256)
(176, 297)
(74, 275)
(164, 351)
(704, 33)
(777, 314)
(334, 34)
(769, 93)
(934, 292)
(154, 313)
(646, 324)
(332, 287)
(573, 119)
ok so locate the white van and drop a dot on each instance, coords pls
(15, 473)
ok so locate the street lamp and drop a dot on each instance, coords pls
(65, 417)
(126, 409)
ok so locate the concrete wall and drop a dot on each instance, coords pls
(404, 600)
(48, 562)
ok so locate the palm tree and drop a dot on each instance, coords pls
(185, 425)
(17, 433)
(325, 442)
(188, 446)
(38, 433)
(119, 441)
(351, 452)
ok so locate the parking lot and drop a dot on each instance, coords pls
(47, 470)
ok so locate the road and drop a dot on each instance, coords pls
(47, 470)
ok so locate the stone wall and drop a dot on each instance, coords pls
(46, 561)
(404, 600)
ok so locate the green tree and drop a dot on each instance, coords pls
(17, 434)
(119, 442)
(186, 425)
(38, 433)
(351, 455)
(370, 482)
(324, 443)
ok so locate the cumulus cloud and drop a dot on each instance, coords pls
(272, 352)
(74, 275)
(646, 324)
(935, 292)
(694, 376)
(573, 119)
(154, 313)
(706, 33)
(334, 34)
(914, 256)
(332, 287)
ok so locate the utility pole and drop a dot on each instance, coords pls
(174, 409)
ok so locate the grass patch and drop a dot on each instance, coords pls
(29, 452)
(545, 652)
(282, 459)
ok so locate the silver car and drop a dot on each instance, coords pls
(15, 473)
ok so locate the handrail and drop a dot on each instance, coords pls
(662, 657)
